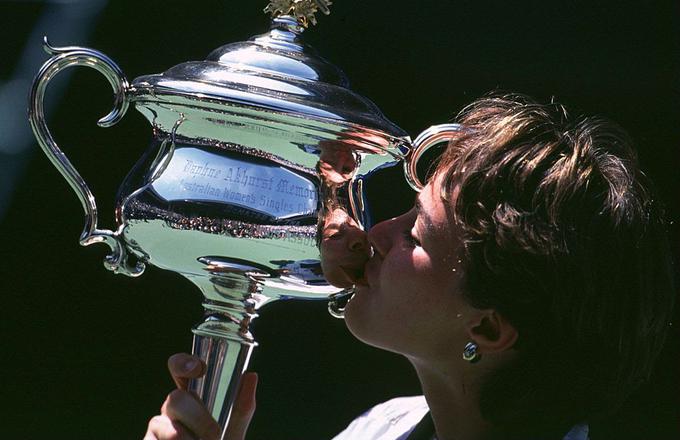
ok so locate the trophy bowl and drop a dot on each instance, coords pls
(256, 152)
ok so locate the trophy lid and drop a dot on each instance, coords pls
(274, 72)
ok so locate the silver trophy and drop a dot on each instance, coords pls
(256, 152)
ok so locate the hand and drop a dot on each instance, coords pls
(184, 417)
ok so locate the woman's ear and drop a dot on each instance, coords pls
(492, 332)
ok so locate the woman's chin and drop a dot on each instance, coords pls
(357, 317)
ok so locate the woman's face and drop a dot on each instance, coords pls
(410, 301)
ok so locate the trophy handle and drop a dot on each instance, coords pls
(62, 58)
(434, 135)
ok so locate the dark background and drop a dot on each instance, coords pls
(85, 350)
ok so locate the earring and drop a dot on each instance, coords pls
(470, 353)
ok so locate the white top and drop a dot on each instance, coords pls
(396, 419)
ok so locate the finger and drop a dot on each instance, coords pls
(185, 408)
(162, 428)
(244, 408)
(183, 367)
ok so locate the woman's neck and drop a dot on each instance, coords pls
(453, 399)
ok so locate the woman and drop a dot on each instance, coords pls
(530, 286)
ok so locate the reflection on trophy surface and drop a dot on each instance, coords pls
(344, 249)
(342, 240)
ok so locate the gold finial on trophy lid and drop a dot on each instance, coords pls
(302, 10)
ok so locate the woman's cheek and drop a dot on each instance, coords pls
(397, 269)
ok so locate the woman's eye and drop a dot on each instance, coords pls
(410, 239)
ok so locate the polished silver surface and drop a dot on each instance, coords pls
(62, 58)
(273, 83)
(431, 137)
(257, 153)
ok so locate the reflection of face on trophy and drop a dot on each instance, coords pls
(336, 162)
(342, 241)
(344, 248)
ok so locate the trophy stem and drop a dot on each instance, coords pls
(226, 359)
(223, 340)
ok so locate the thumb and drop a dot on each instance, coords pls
(184, 367)
(244, 408)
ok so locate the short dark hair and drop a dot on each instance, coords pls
(564, 238)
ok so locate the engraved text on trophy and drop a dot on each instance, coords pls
(193, 174)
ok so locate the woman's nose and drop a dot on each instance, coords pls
(380, 236)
